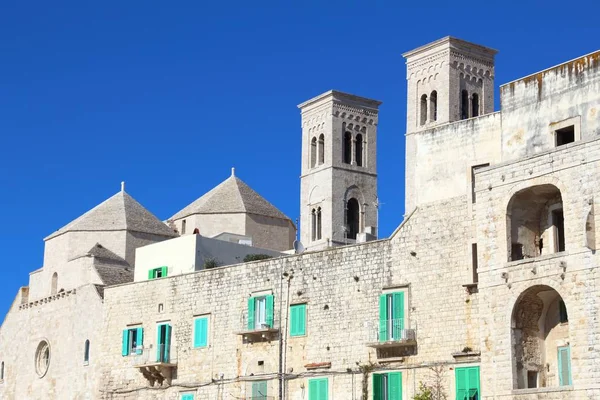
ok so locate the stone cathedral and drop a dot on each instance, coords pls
(487, 289)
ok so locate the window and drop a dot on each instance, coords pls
(475, 105)
(467, 383)
(163, 341)
(464, 104)
(423, 109)
(532, 379)
(133, 339)
(565, 135)
(347, 148)
(86, 353)
(187, 396)
(201, 332)
(159, 272)
(391, 316)
(321, 149)
(319, 223)
(564, 366)
(313, 152)
(352, 218)
(387, 386)
(433, 106)
(54, 283)
(183, 223)
(562, 312)
(42, 358)
(558, 224)
(474, 168)
(313, 219)
(260, 312)
(359, 150)
(318, 389)
(298, 320)
(259, 390)
(2, 371)
(474, 262)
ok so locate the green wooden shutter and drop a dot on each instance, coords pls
(383, 334)
(564, 366)
(187, 396)
(473, 381)
(298, 320)
(293, 321)
(151, 274)
(167, 343)
(259, 390)
(313, 389)
(378, 387)
(323, 389)
(201, 332)
(302, 319)
(461, 383)
(398, 313)
(125, 344)
(164, 271)
(159, 342)
(251, 301)
(269, 310)
(394, 386)
(140, 340)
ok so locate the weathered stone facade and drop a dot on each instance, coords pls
(495, 262)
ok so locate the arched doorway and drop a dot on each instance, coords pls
(541, 350)
(352, 218)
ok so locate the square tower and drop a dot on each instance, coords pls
(339, 170)
(448, 80)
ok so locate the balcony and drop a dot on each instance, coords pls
(156, 363)
(257, 331)
(391, 338)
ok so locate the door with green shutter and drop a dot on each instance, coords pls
(259, 390)
(163, 347)
(318, 389)
(201, 332)
(391, 316)
(564, 366)
(387, 386)
(467, 383)
(260, 312)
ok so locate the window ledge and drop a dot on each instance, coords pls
(469, 354)
(312, 366)
(538, 258)
(543, 390)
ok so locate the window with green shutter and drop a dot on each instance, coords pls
(467, 383)
(259, 390)
(564, 366)
(159, 272)
(387, 386)
(201, 331)
(318, 389)
(298, 320)
(163, 348)
(187, 396)
(133, 340)
(260, 312)
(391, 316)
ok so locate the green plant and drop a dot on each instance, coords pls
(256, 257)
(424, 393)
(365, 369)
(211, 263)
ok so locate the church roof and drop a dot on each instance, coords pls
(120, 212)
(231, 196)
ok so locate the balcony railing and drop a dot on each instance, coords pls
(390, 333)
(254, 330)
(156, 363)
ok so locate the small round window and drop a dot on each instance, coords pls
(42, 358)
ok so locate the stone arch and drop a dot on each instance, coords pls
(358, 150)
(313, 152)
(540, 344)
(321, 149)
(315, 196)
(353, 219)
(423, 109)
(347, 148)
(54, 284)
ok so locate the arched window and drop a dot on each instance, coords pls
(54, 283)
(319, 223)
(475, 105)
(464, 104)
(540, 340)
(535, 222)
(321, 149)
(313, 224)
(433, 106)
(86, 352)
(352, 218)
(313, 152)
(347, 156)
(423, 109)
(359, 150)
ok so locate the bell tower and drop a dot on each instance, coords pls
(339, 170)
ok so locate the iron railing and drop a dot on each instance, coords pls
(249, 325)
(151, 354)
(390, 331)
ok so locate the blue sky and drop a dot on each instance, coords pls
(168, 96)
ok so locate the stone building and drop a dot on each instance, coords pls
(488, 288)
